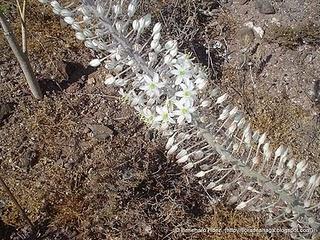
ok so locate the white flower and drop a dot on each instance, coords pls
(200, 83)
(184, 59)
(182, 72)
(187, 92)
(165, 117)
(147, 115)
(152, 86)
(126, 96)
(137, 99)
(184, 112)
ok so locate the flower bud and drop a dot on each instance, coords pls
(222, 98)
(109, 80)
(154, 44)
(100, 10)
(205, 103)
(76, 26)
(55, 4)
(170, 142)
(95, 62)
(69, 20)
(156, 28)
(200, 174)
(87, 33)
(135, 25)
(119, 26)
(65, 13)
(80, 36)
(117, 9)
(89, 44)
(167, 59)
(131, 9)
(157, 36)
(147, 20)
(169, 45)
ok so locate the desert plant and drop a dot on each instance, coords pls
(20, 54)
(205, 133)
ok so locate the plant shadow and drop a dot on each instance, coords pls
(72, 72)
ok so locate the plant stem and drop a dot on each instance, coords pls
(23, 213)
(21, 57)
(22, 12)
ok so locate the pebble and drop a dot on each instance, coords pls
(91, 80)
(101, 132)
(246, 36)
(29, 159)
(264, 7)
(5, 110)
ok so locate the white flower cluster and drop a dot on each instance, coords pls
(170, 95)
(166, 91)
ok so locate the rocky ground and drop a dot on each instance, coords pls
(84, 166)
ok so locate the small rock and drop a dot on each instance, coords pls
(265, 7)
(246, 36)
(259, 31)
(5, 110)
(101, 132)
(91, 80)
(29, 159)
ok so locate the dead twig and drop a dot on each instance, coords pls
(23, 213)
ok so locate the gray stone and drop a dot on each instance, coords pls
(265, 7)
(246, 36)
(5, 110)
(101, 132)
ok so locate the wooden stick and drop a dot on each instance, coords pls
(23, 213)
(21, 57)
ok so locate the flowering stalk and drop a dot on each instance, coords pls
(171, 93)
